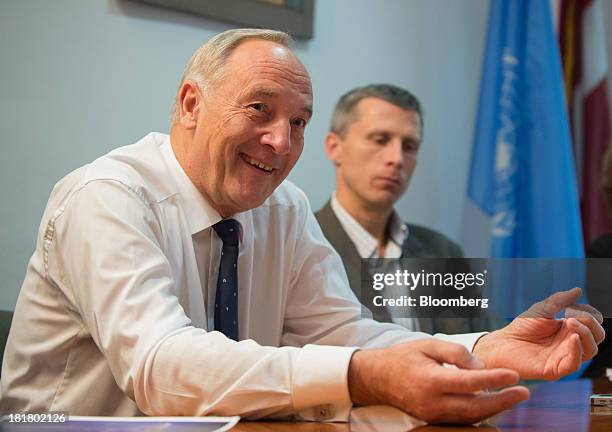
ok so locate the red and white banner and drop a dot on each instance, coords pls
(583, 51)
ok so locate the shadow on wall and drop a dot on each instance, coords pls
(147, 12)
(134, 9)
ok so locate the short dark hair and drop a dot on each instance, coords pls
(344, 111)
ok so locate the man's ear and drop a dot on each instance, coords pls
(333, 148)
(190, 99)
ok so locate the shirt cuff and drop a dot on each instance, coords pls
(468, 340)
(320, 383)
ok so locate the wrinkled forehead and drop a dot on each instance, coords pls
(267, 60)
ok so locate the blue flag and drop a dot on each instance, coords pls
(522, 175)
(522, 171)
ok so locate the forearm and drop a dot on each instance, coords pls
(361, 379)
(199, 373)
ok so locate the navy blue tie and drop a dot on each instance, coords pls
(226, 299)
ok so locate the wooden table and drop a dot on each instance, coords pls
(556, 407)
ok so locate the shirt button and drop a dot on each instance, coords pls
(324, 412)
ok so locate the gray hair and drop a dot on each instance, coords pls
(344, 111)
(205, 67)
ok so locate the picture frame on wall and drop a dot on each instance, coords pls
(292, 16)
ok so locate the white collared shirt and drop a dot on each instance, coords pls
(113, 317)
(365, 243)
(367, 247)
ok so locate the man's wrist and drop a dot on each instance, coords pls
(361, 378)
(485, 348)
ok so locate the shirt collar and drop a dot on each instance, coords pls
(365, 243)
(398, 230)
(200, 214)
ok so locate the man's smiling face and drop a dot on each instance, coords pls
(250, 126)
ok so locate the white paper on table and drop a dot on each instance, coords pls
(217, 424)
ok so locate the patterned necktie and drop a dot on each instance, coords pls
(226, 300)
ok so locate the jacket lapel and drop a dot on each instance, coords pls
(350, 258)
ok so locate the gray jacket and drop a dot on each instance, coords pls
(421, 243)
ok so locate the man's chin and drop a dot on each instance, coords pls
(250, 201)
(384, 199)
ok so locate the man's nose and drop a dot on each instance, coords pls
(278, 136)
(395, 154)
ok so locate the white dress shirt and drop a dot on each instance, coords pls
(365, 243)
(367, 247)
(114, 316)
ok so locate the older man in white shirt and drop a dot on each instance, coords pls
(118, 312)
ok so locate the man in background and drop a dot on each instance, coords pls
(597, 290)
(374, 140)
